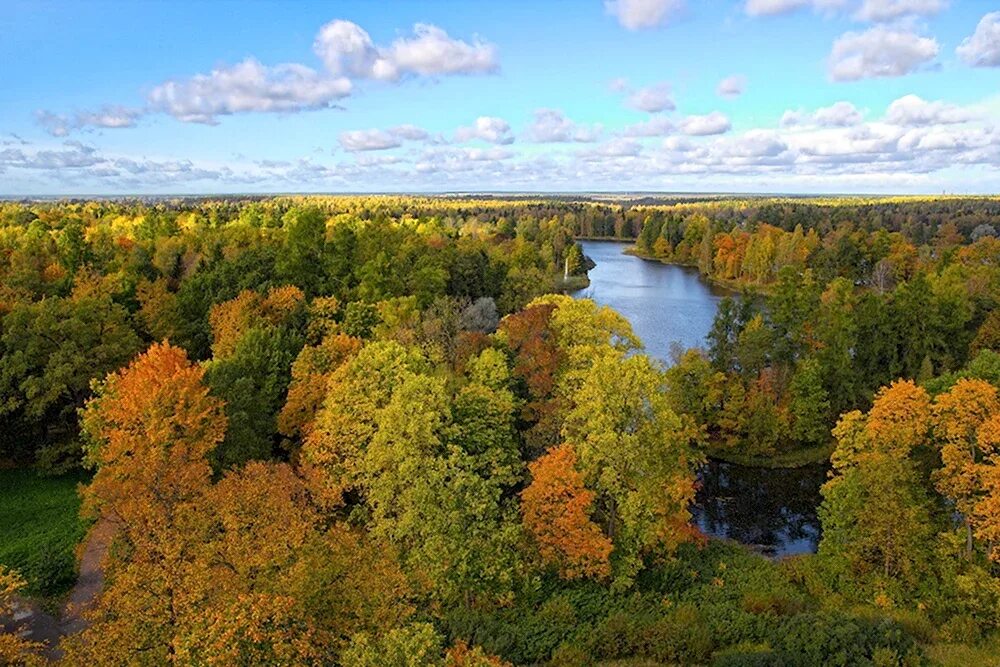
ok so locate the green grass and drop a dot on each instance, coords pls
(40, 528)
(793, 459)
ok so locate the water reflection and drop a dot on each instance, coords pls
(774, 511)
(771, 510)
(664, 303)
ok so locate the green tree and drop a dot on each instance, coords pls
(253, 381)
(809, 404)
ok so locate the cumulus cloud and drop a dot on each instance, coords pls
(652, 99)
(732, 86)
(982, 49)
(348, 53)
(108, 116)
(911, 110)
(348, 50)
(486, 128)
(640, 14)
(409, 132)
(368, 140)
(551, 126)
(378, 140)
(248, 86)
(839, 114)
(615, 148)
(657, 126)
(701, 126)
(879, 52)
(889, 10)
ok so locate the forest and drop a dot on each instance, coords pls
(379, 431)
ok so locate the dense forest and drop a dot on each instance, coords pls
(376, 431)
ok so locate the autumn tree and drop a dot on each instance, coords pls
(310, 374)
(959, 416)
(14, 649)
(150, 429)
(281, 306)
(556, 509)
(634, 452)
(876, 512)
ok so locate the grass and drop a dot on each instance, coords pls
(40, 528)
(986, 654)
(793, 459)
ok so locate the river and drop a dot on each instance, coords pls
(771, 510)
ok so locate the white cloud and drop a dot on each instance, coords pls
(377, 140)
(639, 14)
(869, 10)
(753, 144)
(409, 132)
(54, 124)
(879, 52)
(657, 126)
(551, 126)
(110, 117)
(777, 7)
(911, 110)
(248, 86)
(982, 49)
(889, 10)
(368, 140)
(839, 114)
(773, 7)
(701, 126)
(348, 50)
(615, 148)
(732, 86)
(486, 128)
(651, 99)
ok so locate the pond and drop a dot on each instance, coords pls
(771, 510)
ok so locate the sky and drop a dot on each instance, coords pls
(754, 96)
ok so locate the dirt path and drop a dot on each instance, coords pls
(91, 578)
(35, 624)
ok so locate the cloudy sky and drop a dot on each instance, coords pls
(793, 96)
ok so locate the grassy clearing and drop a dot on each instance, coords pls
(986, 654)
(40, 528)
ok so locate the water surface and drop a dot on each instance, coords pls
(771, 510)
(666, 304)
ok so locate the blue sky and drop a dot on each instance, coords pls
(582, 95)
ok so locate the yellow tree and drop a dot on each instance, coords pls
(311, 373)
(231, 319)
(875, 513)
(14, 649)
(959, 415)
(635, 453)
(986, 511)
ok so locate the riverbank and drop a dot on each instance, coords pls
(734, 286)
(797, 458)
